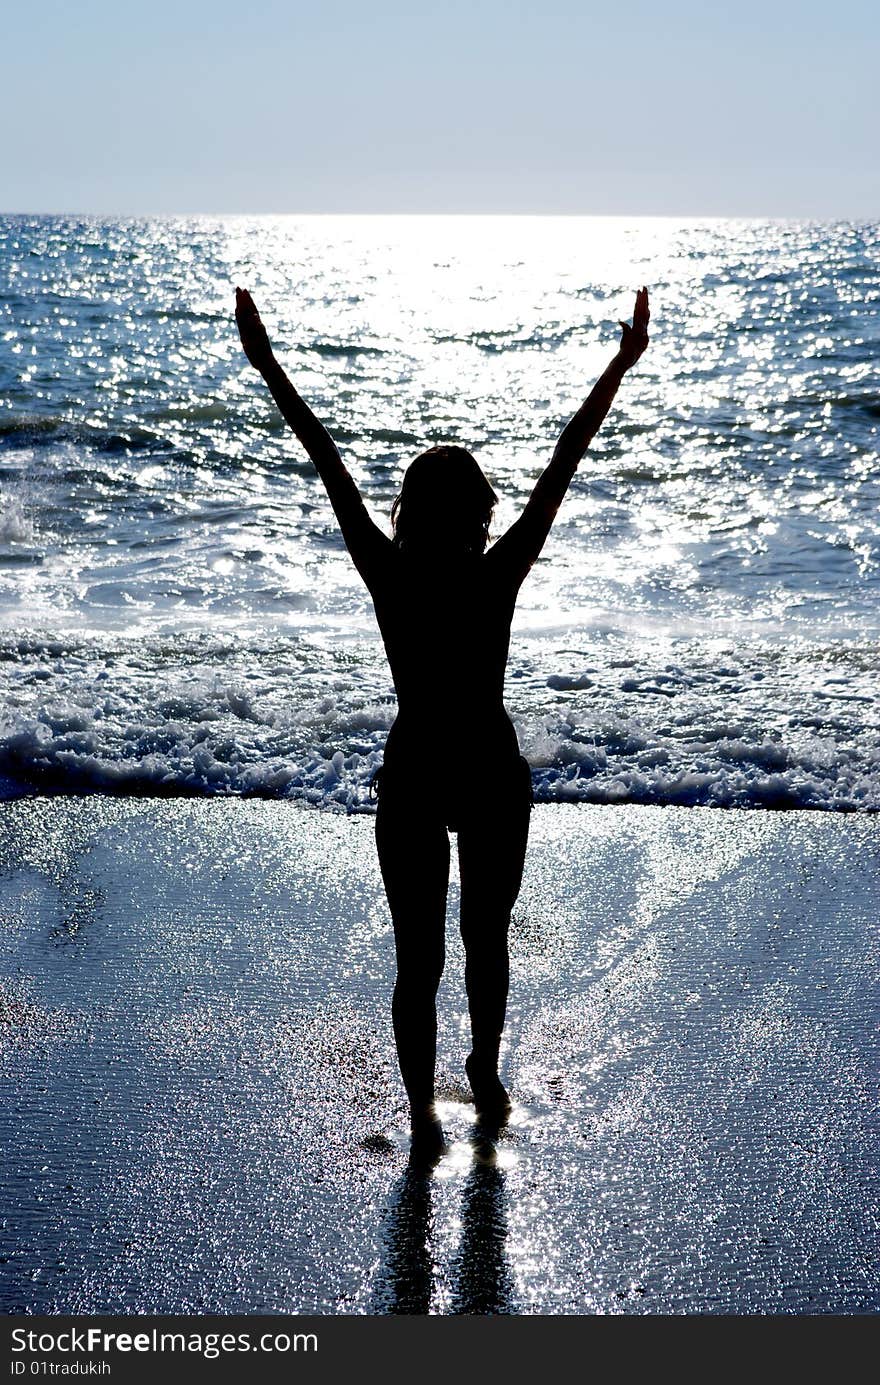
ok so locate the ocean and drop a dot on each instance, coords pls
(178, 614)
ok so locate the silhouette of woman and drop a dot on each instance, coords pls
(444, 605)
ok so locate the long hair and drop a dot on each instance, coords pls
(445, 502)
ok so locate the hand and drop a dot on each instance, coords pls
(635, 338)
(253, 334)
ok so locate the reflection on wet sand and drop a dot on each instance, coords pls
(481, 1279)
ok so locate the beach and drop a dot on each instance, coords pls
(202, 1114)
(201, 1109)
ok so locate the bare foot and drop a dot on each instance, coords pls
(428, 1141)
(490, 1095)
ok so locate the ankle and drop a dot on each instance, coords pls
(422, 1113)
(483, 1064)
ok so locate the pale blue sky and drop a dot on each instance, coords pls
(747, 108)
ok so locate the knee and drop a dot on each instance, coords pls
(484, 930)
(418, 977)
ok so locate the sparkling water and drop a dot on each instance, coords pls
(177, 610)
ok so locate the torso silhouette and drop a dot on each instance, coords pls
(445, 621)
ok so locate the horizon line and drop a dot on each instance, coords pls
(861, 218)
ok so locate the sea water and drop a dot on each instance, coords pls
(177, 610)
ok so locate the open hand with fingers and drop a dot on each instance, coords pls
(253, 334)
(635, 338)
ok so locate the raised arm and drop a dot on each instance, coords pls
(522, 543)
(365, 541)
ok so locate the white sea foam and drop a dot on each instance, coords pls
(16, 520)
(265, 717)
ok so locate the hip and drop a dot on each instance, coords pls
(498, 788)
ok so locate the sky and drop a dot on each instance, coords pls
(555, 106)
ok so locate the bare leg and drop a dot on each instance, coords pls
(491, 855)
(414, 859)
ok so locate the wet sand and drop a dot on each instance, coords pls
(201, 1110)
